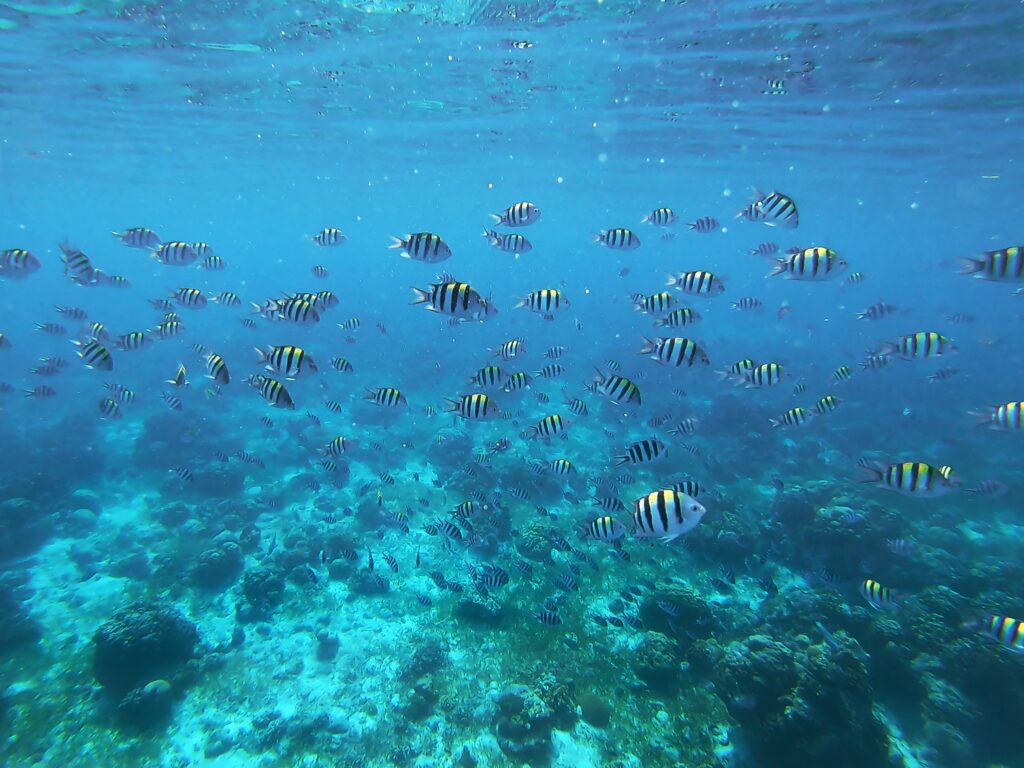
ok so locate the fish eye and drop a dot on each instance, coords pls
(694, 507)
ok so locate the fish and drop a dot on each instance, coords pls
(877, 311)
(679, 318)
(217, 369)
(842, 374)
(474, 407)
(661, 217)
(660, 302)
(17, 263)
(697, 283)
(288, 361)
(911, 478)
(794, 417)
(1006, 417)
(342, 365)
(274, 392)
(518, 215)
(774, 209)
(294, 309)
(172, 401)
(94, 355)
(545, 302)
(675, 351)
(508, 242)
(747, 303)
(78, 267)
(41, 390)
(387, 396)
(943, 374)
(815, 263)
(139, 237)
(616, 388)
(422, 246)
(1005, 265)
(72, 313)
(175, 253)
(992, 489)
(765, 249)
(642, 452)
(1006, 631)
(454, 299)
(764, 375)
(549, 427)
(923, 344)
(183, 473)
(666, 514)
(547, 617)
(880, 598)
(704, 225)
(52, 329)
(827, 404)
(329, 237)
(189, 297)
(619, 239)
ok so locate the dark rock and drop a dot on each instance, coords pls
(218, 567)
(17, 627)
(327, 645)
(262, 591)
(140, 643)
(596, 709)
(475, 610)
(147, 707)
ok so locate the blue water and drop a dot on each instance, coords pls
(251, 127)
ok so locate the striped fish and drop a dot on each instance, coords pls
(921, 344)
(1006, 417)
(661, 217)
(133, 341)
(550, 371)
(78, 267)
(912, 478)
(880, 598)
(679, 318)
(488, 376)
(549, 427)
(109, 408)
(704, 225)
(764, 375)
(517, 381)
(510, 349)
(335, 448)
(217, 369)
(794, 417)
(17, 263)
(474, 407)
(697, 283)
(619, 239)
(685, 427)
(518, 215)
(189, 297)
(386, 396)
(747, 303)
(227, 299)
(169, 329)
(1005, 265)
(545, 302)
(617, 388)
(560, 467)
(576, 406)
(272, 391)
(422, 246)
(287, 361)
(175, 253)
(774, 209)
(173, 402)
(815, 263)
(139, 237)
(453, 298)
(666, 514)
(1008, 632)
(827, 404)
(842, 374)
(213, 263)
(655, 303)
(342, 364)
(94, 355)
(675, 350)
(508, 242)
(642, 452)
(876, 311)
(329, 237)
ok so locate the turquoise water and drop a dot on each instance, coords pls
(207, 585)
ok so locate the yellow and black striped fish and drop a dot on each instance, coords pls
(675, 350)
(923, 344)
(1006, 631)
(616, 388)
(336, 447)
(1005, 265)
(698, 282)
(913, 478)
(189, 297)
(17, 263)
(488, 376)
(422, 246)
(1008, 417)
(287, 360)
(175, 253)
(273, 392)
(654, 303)
(794, 417)
(619, 239)
(666, 514)
(549, 427)
(764, 375)
(815, 263)
(661, 217)
(880, 598)
(518, 215)
(545, 302)
(217, 369)
(94, 355)
(474, 407)
(453, 298)
(386, 396)
(510, 349)
(679, 318)
(329, 237)
(139, 237)
(826, 404)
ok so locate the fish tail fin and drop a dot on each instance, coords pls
(396, 242)
(649, 347)
(497, 218)
(969, 266)
(422, 297)
(874, 473)
(671, 280)
(781, 267)
(600, 236)
(264, 355)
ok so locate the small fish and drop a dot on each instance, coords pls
(943, 374)
(422, 246)
(899, 546)
(1008, 417)
(880, 598)
(704, 225)
(774, 209)
(139, 237)
(809, 264)
(183, 473)
(993, 489)
(923, 344)
(876, 311)
(661, 217)
(765, 249)
(697, 283)
(642, 452)
(909, 478)
(547, 617)
(679, 318)
(518, 215)
(747, 303)
(329, 237)
(619, 238)
(508, 242)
